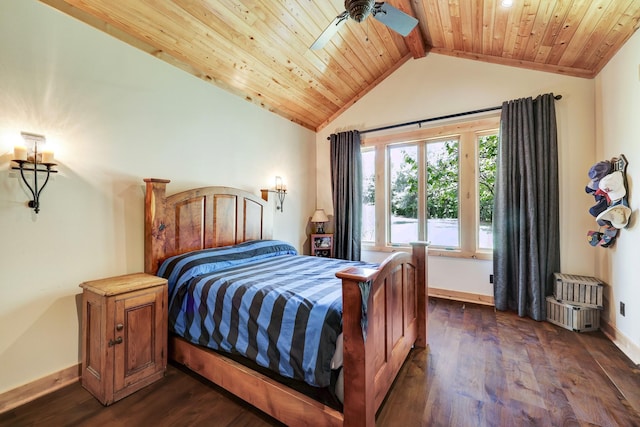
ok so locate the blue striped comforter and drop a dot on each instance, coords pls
(261, 300)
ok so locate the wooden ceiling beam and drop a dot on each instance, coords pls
(414, 40)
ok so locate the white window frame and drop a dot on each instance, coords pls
(467, 132)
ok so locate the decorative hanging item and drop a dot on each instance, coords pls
(608, 186)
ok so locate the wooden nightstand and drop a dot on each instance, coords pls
(124, 334)
(322, 245)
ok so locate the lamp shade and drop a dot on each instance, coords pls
(319, 216)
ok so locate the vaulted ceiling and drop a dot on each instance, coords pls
(260, 49)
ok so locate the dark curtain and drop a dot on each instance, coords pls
(526, 249)
(346, 185)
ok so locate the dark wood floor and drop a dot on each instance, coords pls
(482, 369)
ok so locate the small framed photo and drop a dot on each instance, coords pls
(322, 242)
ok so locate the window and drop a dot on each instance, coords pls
(487, 154)
(443, 206)
(433, 184)
(403, 190)
(368, 195)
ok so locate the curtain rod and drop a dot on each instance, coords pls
(433, 119)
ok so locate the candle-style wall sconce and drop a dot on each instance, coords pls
(33, 159)
(281, 193)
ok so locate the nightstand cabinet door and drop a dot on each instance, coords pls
(141, 357)
(124, 332)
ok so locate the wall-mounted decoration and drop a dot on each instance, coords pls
(280, 191)
(33, 159)
(608, 186)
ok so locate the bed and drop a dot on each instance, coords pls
(384, 308)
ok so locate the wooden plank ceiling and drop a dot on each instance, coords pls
(260, 49)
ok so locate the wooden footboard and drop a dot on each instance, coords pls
(396, 311)
(396, 307)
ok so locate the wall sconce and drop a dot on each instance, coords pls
(319, 218)
(280, 190)
(32, 157)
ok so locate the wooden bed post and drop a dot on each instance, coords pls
(359, 393)
(419, 252)
(154, 223)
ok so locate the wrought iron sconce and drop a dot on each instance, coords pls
(280, 191)
(32, 158)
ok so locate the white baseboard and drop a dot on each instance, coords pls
(628, 347)
(45, 385)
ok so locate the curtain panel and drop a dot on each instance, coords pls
(526, 207)
(346, 187)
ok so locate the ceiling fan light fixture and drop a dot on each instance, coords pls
(359, 9)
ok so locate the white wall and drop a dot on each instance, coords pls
(618, 132)
(114, 115)
(439, 85)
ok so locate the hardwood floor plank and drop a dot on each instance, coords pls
(408, 401)
(482, 368)
(470, 384)
(548, 376)
(616, 366)
(573, 370)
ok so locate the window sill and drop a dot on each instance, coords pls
(434, 252)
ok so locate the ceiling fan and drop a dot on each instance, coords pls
(359, 10)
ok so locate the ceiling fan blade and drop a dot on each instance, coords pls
(393, 18)
(330, 31)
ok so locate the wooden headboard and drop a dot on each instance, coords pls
(200, 218)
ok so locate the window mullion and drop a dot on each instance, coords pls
(422, 191)
(467, 196)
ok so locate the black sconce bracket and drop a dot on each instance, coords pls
(24, 165)
(279, 193)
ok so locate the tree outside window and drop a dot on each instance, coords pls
(403, 175)
(443, 207)
(368, 196)
(487, 155)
